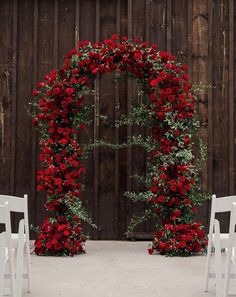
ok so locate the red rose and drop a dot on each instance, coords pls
(163, 176)
(61, 227)
(58, 181)
(115, 36)
(66, 233)
(64, 141)
(153, 83)
(69, 91)
(162, 245)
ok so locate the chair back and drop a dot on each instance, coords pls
(219, 205)
(5, 218)
(18, 204)
(222, 204)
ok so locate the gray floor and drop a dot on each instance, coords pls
(115, 268)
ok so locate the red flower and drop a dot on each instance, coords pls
(153, 83)
(69, 91)
(150, 251)
(66, 233)
(64, 141)
(58, 181)
(115, 36)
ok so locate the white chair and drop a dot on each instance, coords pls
(231, 259)
(217, 240)
(20, 205)
(6, 252)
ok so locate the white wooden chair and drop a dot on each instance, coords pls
(217, 241)
(20, 205)
(231, 258)
(6, 251)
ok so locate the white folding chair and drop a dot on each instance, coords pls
(231, 259)
(20, 205)
(6, 252)
(217, 240)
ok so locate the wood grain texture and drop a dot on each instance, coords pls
(7, 97)
(35, 38)
(107, 107)
(200, 58)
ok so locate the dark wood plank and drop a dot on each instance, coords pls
(55, 35)
(190, 35)
(210, 102)
(117, 133)
(128, 109)
(234, 85)
(45, 56)
(38, 216)
(138, 157)
(77, 15)
(7, 97)
(200, 75)
(87, 32)
(220, 112)
(66, 27)
(158, 23)
(24, 71)
(96, 129)
(231, 98)
(169, 26)
(122, 219)
(179, 31)
(14, 59)
(107, 199)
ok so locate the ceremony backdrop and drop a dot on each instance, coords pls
(36, 34)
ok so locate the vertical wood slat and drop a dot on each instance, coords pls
(210, 126)
(169, 25)
(190, 35)
(117, 131)
(55, 35)
(96, 127)
(14, 82)
(231, 97)
(129, 129)
(147, 21)
(77, 10)
(129, 98)
(34, 81)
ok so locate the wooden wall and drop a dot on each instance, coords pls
(36, 34)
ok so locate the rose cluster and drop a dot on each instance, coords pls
(59, 115)
(180, 239)
(58, 236)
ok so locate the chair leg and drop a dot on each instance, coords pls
(2, 262)
(208, 262)
(20, 259)
(27, 256)
(227, 269)
(218, 261)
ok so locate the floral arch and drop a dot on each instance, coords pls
(60, 111)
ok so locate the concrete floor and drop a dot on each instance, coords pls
(115, 269)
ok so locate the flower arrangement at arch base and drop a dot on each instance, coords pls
(60, 112)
